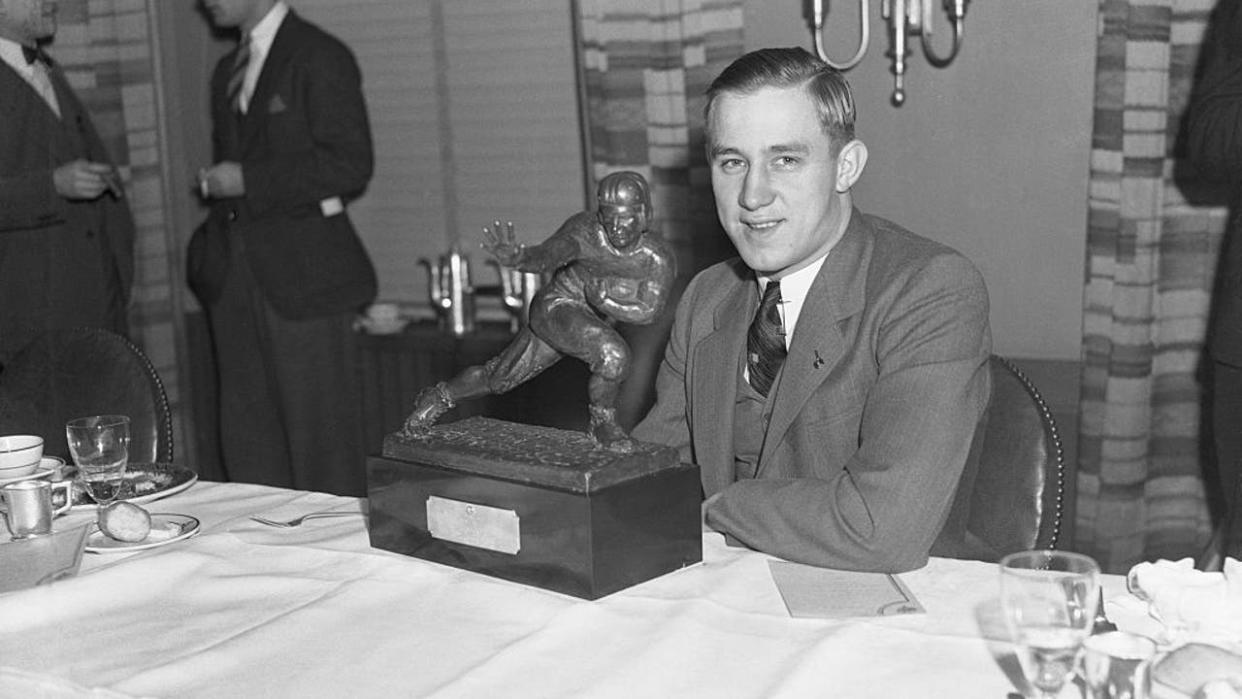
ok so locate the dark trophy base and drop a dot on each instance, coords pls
(535, 505)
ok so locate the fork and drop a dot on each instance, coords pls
(297, 521)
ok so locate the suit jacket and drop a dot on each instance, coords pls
(873, 412)
(305, 138)
(1214, 144)
(46, 241)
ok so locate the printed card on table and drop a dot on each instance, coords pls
(811, 592)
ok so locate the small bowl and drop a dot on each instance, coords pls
(19, 455)
(55, 464)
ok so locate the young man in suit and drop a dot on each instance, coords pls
(834, 429)
(277, 263)
(66, 233)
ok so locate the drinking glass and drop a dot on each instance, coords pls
(99, 445)
(1117, 665)
(1049, 600)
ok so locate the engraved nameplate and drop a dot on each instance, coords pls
(474, 525)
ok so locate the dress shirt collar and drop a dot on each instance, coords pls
(264, 33)
(794, 288)
(11, 53)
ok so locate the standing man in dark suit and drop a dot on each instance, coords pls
(1214, 144)
(66, 233)
(834, 428)
(277, 263)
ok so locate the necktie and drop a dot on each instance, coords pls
(33, 53)
(237, 78)
(765, 341)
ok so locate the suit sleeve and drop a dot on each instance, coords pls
(885, 508)
(338, 159)
(668, 422)
(1214, 118)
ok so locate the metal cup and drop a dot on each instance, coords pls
(29, 509)
(1117, 665)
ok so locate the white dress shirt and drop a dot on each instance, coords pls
(261, 38)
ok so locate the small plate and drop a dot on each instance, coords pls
(390, 327)
(146, 482)
(37, 473)
(184, 527)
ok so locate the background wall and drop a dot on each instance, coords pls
(989, 155)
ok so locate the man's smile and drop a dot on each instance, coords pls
(762, 225)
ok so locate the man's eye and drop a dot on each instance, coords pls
(731, 164)
(786, 161)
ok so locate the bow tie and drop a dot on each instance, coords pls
(33, 54)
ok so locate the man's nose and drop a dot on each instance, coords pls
(756, 190)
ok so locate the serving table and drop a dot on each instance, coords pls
(248, 610)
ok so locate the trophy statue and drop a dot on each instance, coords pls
(606, 267)
(584, 514)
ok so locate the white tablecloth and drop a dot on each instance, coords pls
(246, 610)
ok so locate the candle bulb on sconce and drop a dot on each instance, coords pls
(906, 19)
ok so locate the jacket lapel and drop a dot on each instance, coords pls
(16, 90)
(818, 345)
(716, 360)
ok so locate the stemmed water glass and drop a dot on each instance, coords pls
(1049, 600)
(99, 445)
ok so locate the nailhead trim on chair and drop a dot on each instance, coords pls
(165, 409)
(1051, 425)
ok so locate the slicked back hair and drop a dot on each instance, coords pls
(791, 67)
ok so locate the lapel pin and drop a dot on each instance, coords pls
(819, 361)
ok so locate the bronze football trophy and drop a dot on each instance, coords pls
(583, 514)
(606, 267)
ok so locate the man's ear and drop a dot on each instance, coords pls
(850, 164)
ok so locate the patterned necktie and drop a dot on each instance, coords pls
(237, 78)
(765, 341)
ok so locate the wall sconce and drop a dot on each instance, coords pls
(906, 18)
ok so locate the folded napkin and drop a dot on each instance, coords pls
(1191, 604)
(41, 559)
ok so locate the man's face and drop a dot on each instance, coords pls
(27, 21)
(777, 184)
(624, 225)
(231, 13)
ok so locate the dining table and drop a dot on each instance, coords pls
(245, 609)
